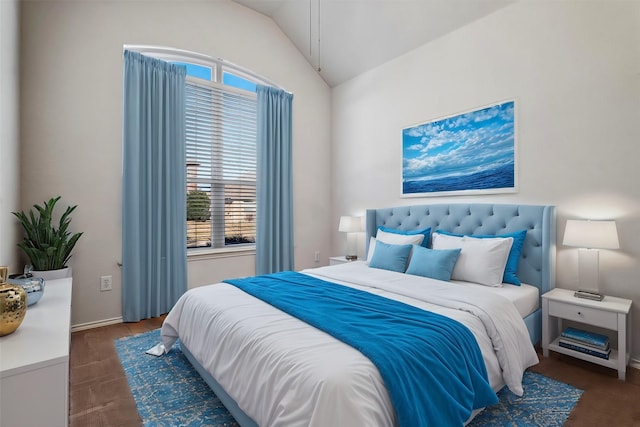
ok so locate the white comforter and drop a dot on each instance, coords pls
(283, 372)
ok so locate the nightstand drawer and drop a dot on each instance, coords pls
(592, 316)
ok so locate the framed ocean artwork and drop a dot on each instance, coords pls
(473, 152)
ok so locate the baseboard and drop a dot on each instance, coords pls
(634, 362)
(97, 324)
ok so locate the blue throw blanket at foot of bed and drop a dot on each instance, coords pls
(432, 365)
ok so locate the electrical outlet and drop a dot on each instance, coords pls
(317, 256)
(105, 283)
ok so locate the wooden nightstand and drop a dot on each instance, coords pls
(611, 313)
(335, 260)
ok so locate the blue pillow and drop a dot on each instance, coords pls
(434, 263)
(426, 232)
(513, 259)
(390, 257)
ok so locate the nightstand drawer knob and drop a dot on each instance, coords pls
(590, 315)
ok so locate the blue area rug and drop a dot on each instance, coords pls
(167, 389)
(545, 403)
(169, 392)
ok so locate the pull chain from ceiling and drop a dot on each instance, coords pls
(318, 67)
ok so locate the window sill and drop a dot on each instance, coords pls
(199, 254)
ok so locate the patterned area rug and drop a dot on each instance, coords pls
(545, 403)
(167, 389)
(169, 392)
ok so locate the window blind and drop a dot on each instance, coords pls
(221, 165)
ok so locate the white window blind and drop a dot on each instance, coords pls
(221, 165)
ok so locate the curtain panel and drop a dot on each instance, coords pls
(274, 192)
(154, 254)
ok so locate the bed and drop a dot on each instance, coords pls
(270, 368)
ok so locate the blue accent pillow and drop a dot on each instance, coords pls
(434, 263)
(513, 259)
(426, 232)
(390, 257)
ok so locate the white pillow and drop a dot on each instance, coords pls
(480, 261)
(399, 239)
(372, 247)
(393, 239)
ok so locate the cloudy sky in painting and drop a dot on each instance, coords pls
(459, 145)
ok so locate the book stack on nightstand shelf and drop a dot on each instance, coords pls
(585, 342)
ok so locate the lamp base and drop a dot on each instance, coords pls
(581, 293)
(351, 257)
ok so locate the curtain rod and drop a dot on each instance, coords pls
(163, 52)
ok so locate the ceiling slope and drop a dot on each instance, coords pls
(344, 38)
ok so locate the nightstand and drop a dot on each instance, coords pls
(335, 260)
(611, 313)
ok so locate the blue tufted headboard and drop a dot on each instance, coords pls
(537, 263)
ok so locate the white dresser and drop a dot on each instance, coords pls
(34, 363)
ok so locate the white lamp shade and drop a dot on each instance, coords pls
(349, 224)
(591, 234)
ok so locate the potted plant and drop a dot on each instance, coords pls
(47, 247)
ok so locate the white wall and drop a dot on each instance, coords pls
(574, 71)
(71, 123)
(9, 165)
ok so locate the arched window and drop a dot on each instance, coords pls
(220, 148)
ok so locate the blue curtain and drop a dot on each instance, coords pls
(274, 233)
(154, 243)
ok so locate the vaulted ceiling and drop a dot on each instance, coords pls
(344, 38)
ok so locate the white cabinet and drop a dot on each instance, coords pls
(34, 363)
(611, 313)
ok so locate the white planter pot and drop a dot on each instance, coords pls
(53, 274)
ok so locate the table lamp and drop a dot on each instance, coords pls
(590, 236)
(350, 225)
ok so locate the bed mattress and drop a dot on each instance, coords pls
(525, 298)
(282, 372)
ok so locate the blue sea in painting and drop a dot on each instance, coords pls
(500, 177)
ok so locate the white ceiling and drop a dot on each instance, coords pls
(358, 35)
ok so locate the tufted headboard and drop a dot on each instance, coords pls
(537, 262)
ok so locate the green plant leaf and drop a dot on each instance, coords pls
(46, 247)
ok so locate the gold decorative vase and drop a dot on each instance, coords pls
(13, 304)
